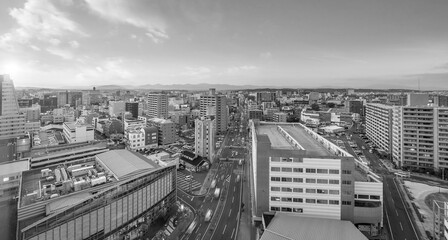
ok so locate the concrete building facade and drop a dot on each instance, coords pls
(166, 130)
(379, 125)
(205, 138)
(76, 133)
(157, 106)
(215, 105)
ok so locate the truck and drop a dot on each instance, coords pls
(213, 183)
(208, 215)
(217, 192)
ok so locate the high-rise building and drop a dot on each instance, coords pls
(441, 101)
(297, 171)
(32, 113)
(157, 106)
(166, 130)
(73, 99)
(379, 125)
(12, 123)
(215, 105)
(204, 138)
(420, 137)
(132, 107)
(356, 106)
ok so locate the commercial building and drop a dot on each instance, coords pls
(279, 117)
(265, 97)
(12, 123)
(32, 113)
(282, 226)
(73, 99)
(96, 199)
(116, 108)
(78, 132)
(157, 106)
(205, 138)
(132, 107)
(297, 171)
(166, 130)
(215, 105)
(256, 114)
(10, 174)
(379, 125)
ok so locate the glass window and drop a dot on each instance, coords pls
(297, 199)
(286, 189)
(286, 199)
(322, 191)
(310, 190)
(275, 189)
(275, 159)
(346, 182)
(333, 202)
(333, 181)
(275, 208)
(275, 179)
(335, 192)
(298, 180)
(375, 197)
(286, 169)
(361, 196)
(286, 209)
(275, 199)
(310, 200)
(297, 210)
(346, 172)
(286, 179)
(346, 203)
(322, 181)
(311, 170)
(310, 180)
(334, 171)
(322, 201)
(275, 169)
(298, 170)
(322, 171)
(297, 189)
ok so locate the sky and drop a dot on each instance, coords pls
(278, 43)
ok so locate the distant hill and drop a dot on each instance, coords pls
(188, 87)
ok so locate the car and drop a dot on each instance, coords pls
(188, 177)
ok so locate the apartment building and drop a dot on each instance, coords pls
(157, 106)
(141, 138)
(215, 105)
(279, 117)
(205, 138)
(379, 125)
(297, 171)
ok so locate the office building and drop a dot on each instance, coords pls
(98, 198)
(32, 113)
(356, 106)
(77, 132)
(157, 106)
(379, 125)
(74, 99)
(256, 114)
(265, 97)
(297, 171)
(215, 105)
(205, 138)
(132, 107)
(166, 130)
(116, 108)
(25, 102)
(141, 138)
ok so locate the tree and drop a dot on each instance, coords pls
(331, 105)
(315, 107)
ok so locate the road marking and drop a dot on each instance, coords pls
(211, 199)
(234, 187)
(224, 229)
(233, 231)
(233, 198)
(230, 212)
(401, 226)
(396, 212)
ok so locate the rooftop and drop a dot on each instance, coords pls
(298, 133)
(287, 227)
(124, 162)
(160, 120)
(74, 125)
(13, 167)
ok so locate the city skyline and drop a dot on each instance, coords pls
(346, 43)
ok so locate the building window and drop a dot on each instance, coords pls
(286, 189)
(346, 172)
(334, 192)
(346, 182)
(275, 208)
(333, 202)
(310, 190)
(286, 199)
(298, 180)
(298, 170)
(275, 179)
(310, 170)
(297, 199)
(334, 171)
(275, 199)
(275, 169)
(299, 190)
(322, 191)
(347, 203)
(275, 159)
(375, 197)
(286, 169)
(322, 181)
(286, 209)
(361, 196)
(286, 179)
(310, 200)
(275, 189)
(322, 201)
(299, 160)
(297, 210)
(286, 159)
(333, 181)
(322, 171)
(310, 180)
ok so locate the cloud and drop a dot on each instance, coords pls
(74, 44)
(35, 48)
(109, 69)
(196, 71)
(443, 66)
(265, 55)
(40, 20)
(123, 11)
(65, 54)
(240, 69)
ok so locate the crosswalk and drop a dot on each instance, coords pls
(184, 184)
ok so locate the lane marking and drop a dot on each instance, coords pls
(224, 229)
(401, 226)
(230, 212)
(396, 211)
(233, 198)
(234, 187)
(233, 231)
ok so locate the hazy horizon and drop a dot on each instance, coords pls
(309, 44)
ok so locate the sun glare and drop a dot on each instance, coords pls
(11, 68)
